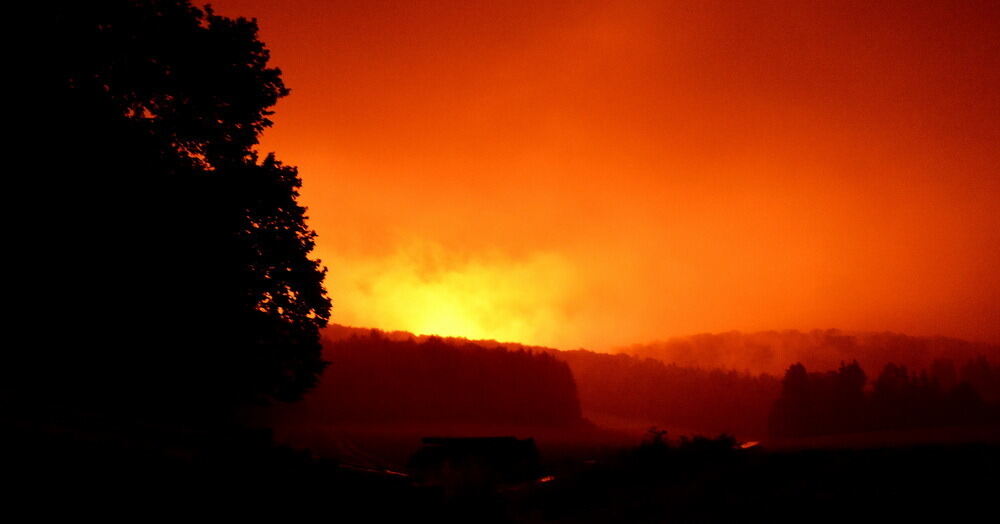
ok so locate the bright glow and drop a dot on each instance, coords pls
(425, 289)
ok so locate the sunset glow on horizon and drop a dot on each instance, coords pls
(598, 174)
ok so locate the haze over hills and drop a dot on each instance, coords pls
(707, 383)
(773, 351)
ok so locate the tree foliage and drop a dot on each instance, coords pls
(840, 401)
(182, 257)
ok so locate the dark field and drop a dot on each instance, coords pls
(142, 473)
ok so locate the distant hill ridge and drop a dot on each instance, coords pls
(773, 351)
(762, 351)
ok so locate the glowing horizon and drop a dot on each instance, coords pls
(578, 174)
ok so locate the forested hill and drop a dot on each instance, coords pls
(380, 379)
(338, 332)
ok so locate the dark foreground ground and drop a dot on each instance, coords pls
(138, 475)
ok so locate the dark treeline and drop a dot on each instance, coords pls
(845, 401)
(631, 389)
(374, 379)
(632, 392)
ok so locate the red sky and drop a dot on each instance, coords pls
(597, 174)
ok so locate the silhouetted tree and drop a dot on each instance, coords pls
(179, 259)
(836, 402)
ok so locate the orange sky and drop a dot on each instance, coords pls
(595, 174)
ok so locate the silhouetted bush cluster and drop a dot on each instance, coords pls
(375, 380)
(656, 450)
(843, 401)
